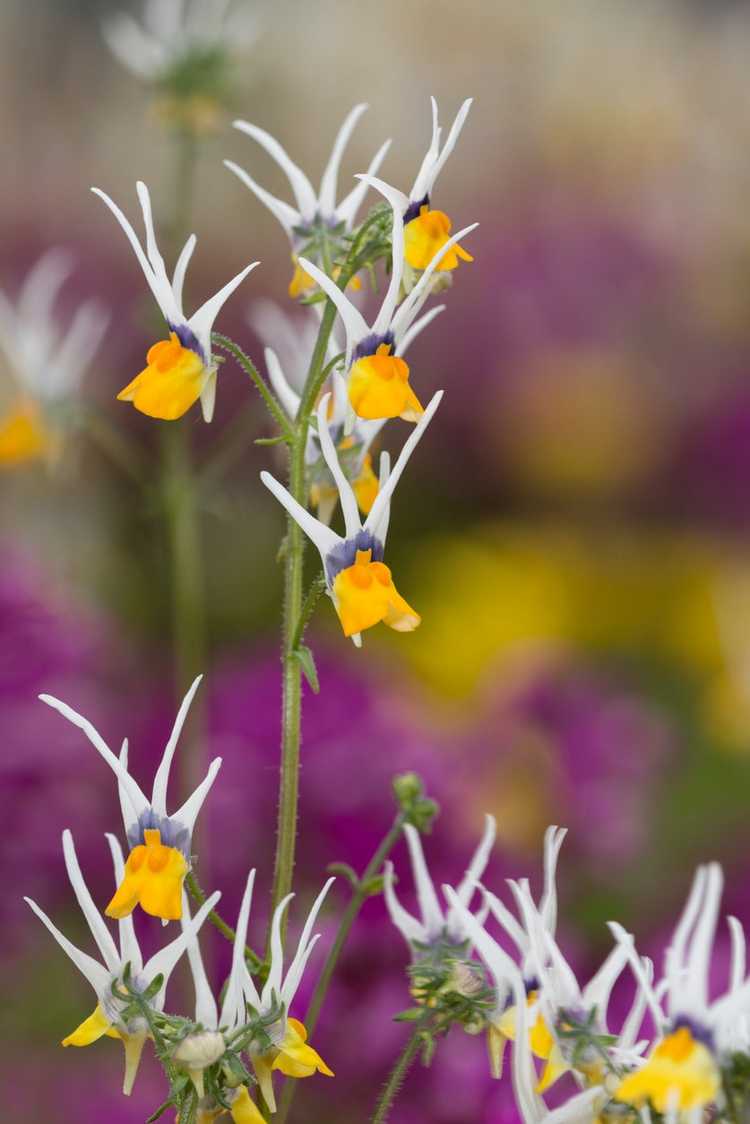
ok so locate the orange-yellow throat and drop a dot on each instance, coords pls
(364, 595)
(171, 382)
(154, 874)
(428, 233)
(379, 387)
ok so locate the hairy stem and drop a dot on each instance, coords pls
(397, 1076)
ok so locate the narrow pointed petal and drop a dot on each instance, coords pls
(384, 495)
(674, 956)
(323, 537)
(631, 1027)
(286, 215)
(152, 249)
(240, 981)
(298, 181)
(597, 991)
(78, 347)
(553, 841)
(95, 973)
(164, 961)
(420, 185)
(411, 929)
(737, 973)
(412, 306)
(296, 968)
(348, 207)
(161, 780)
(202, 321)
(429, 906)
(388, 307)
(273, 982)
(509, 923)
(695, 987)
(178, 280)
(636, 966)
(94, 919)
(355, 324)
(188, 813)
(480, 858)
(129, 816)
(206, 1011)
(449, 145)
(288, 398)
(349, 505)
(208, 398)
(133, 1045)
(138, 801)
(380, 529)
(504, 972)
(130, 951)
(328, 183)
(418, 327)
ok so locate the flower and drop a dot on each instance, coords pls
(682, 1072)
(46, 362)
(353, 447)
(426, 231)
(316, 217)
(289, 1051)
(108, 1016)
(160, 844)
(358, 581)
(434, 924)
(377, 376)
(183, 47)
(181, 369)
(205, 1047)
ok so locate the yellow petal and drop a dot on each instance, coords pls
(366, 486)
(154, 875)
(496, 1041)
(263, 1065)
(301, 282)
(244, 1110)
(425, 235)
(364, 595)
(680, 1072)
(91, 1029)
(379, 387)
(295, 1058)
(23, 436)
(171, 382)
(556, 1066)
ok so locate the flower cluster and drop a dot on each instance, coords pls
(515, 985)
(204, 1057)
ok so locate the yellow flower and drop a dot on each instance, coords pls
(97, 1026)
(293, 1057)
(541, 1040)
(379, 387)
(364, 595)
(23, 436)
(172, 381)
(681, 1073)
(153, 879)
(366, 486)
(425, 235)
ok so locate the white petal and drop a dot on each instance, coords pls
(161, 780)
(130, 951)
(286, 396)
(327, 194)
(208, 397)
(412, 306)
(429, 906)
(597, 991)
(135, 796)
(136, 50)
(355, 324)
(273, 982)
(502, 914)
(42, 286)
(737, 973)
(383, 497)
(346, 494)
(298, 181)
(553, 841)
(188, 813)
(239, 977)
(701, 946)
(580, 1109)
(164, 961)
(419, 187)
(323, 537)
(206, 1011)
(202, 321)
(380, 529)
(286, 215)
(95, 973)
(628, 1035)
(180, 269)
(159, 285)
(504, 972)
(448, 147)
(78, 347)
(674, 965)
(94, 919)
(304, 948)
(129, 813)
(346, 211)
(388, 307)
(478, 864)
(418, 327)
(410, 929)
(641, 974)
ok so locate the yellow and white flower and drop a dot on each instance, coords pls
(435, 924)
(681, 1076)
(179, 370)
(160, 844)
(376, 374)
(46, 363)
(359, 583)
(313, 210)
(106, 1019)
(290, 1052)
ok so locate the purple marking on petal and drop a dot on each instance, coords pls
(345, 554)
(173, 834)
(415, 206)
(697, 1031)
(370, 344)
(188, 339)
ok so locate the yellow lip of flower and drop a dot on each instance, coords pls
(379, 387)
(302, 283)
(681, 1073)
(154, 874)
(366, 486)
(427, 233)
(295, 1058)
(23, 436)
(99, 1025)
(171, 382)
(364, 595)
(541, 1041)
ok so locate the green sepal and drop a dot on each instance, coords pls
(306, 660)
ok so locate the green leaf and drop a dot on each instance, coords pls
(345, 871)
(411, 1015)
(281, 439)
(306, 660)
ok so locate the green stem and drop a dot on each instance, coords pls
(250, 369)
(347, 921)
(313, 595)
(253, 960)
(397, 1076)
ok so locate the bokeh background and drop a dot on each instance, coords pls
(574, 530)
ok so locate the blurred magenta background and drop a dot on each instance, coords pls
(574, 529)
